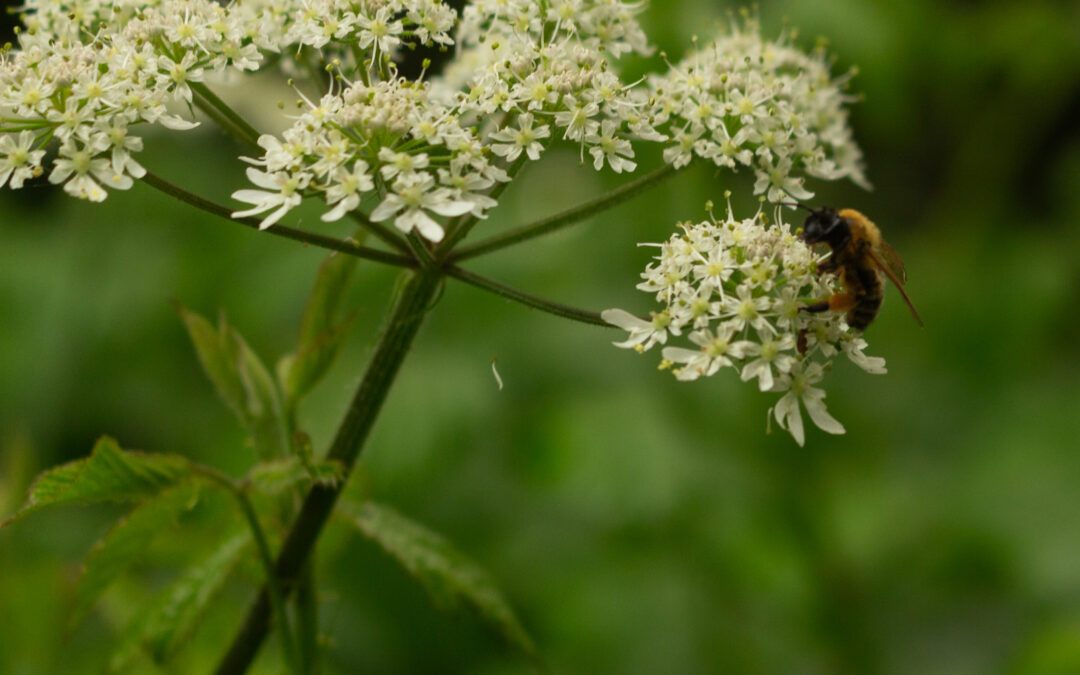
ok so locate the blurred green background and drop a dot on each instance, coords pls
(638, 524)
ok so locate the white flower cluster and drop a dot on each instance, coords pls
(85, 72)
(743, 101)
(525, 75)
(734, 289)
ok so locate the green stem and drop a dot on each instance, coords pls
(565, 311)
(329, 243)
(568, 217)
(398, 334)
(420, 250)
(225, 116)
(273, 580)
(308, 615)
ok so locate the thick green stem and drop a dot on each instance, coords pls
(568, 217)
(397, 338)
(308, 619)
(273, 581)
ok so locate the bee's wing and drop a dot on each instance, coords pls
(893, 260)
(891, 272)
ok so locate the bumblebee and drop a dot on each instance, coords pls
(860, 256)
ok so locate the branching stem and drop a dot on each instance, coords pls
(310, 238)
(223, 115)
(566, 218)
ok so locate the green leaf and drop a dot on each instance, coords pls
(216, 358)
(451, 579)
(166, 625)
(322, 331)
(278, 475)
(262, 402)
(109, 474)
(128, 539)
(241, 379)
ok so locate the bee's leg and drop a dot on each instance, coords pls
(800, 344)
(842, 302)
(828, 265)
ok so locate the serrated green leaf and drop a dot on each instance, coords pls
(167, 624)
(321, 329)
(263, 414)
(128, 539)
(109, 474)
(451, 578)
(216, 358)
(278, 475)
(241, 379)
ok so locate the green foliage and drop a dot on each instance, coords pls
(322, 329)
(451, 579)
(128, 540)
(241, 379)
(163, 627)
(279, 475)
(109, 474)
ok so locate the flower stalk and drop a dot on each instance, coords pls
(566, 218)
(399, 331)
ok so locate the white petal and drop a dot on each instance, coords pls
(263, 199)
(788, 417)
(625, 320)
(388, 207)
(455, 208)
(815, 407)
(680, 355)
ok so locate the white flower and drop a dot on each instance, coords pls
(523, 139)
(770, 354)
(347, 189)
(380, 31)
(18, 160)
(395, 163)
(607, 146)
(82, 171)
(282, 192)
(716, 352)
(643, 334)
(410, 202)
(786, 411)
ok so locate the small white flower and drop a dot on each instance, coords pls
(18, 160)
(799, 389)
(347, 190)
(413, 197)
(282, 192)
(380, 31)
(643, 334)
(607, 146)
(82, 171)
(523, 139)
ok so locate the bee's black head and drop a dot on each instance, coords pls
(827, 226)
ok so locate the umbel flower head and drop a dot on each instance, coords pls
(744, 101)
(523, 77)
(730, 292)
